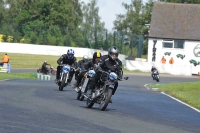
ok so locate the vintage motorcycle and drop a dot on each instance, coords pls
(64, 76)
(103, 93)
(156, 76)
(84, 84)
(51, 70)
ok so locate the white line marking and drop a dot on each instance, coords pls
(175, 99)
(5, 79)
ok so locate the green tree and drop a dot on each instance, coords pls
(92, 25)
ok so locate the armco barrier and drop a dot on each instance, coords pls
(43, 77)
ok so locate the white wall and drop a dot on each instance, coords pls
(188, 51)
(175, 69)
(49, 50)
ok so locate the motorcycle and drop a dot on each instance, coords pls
(64, 76)
(156, 76)
(51, 70)
(102, 94)
(83, 87)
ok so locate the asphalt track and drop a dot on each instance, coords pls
(30, 106)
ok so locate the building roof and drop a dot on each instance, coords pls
(175, 21)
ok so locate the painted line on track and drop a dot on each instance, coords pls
(146, 86)
(4, 80)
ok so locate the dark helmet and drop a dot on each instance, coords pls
(113, 52)
(70, 53)
(85, 58)
(96, 55)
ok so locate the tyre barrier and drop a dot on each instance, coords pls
(43, 77)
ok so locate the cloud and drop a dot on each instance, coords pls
(108, 9)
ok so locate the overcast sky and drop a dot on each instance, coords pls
(108, 10)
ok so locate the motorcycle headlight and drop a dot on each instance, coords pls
(113, 76)
(66, 68)
(91, 73)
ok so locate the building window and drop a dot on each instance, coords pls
(167, 43)
(176, 44)
(179, 44)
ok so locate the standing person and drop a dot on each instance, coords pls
(6, 59)
(171, 61)
(86, 66)
(163, 60)
(66, 59)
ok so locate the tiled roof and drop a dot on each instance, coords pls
(175, 21)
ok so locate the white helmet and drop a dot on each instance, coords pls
(85, 58)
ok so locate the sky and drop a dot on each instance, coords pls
(108, 9)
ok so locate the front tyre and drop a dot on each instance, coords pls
(89, 103)
(157, 78)
(62, 85)
(78, 95)
(106, 99)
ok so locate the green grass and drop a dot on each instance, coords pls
(17, 75)
(188, 92)
(31, 60)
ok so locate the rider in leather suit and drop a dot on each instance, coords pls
(86, 66)
(66, 59)
(111, 63)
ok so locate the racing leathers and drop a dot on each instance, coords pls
(83, 67)
(64, 59)
(107, 64)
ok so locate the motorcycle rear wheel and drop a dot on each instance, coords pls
(105, 101)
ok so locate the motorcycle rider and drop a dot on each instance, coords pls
(111, 63)
(85, 67)
(152, 70)
(44, 68)
(81, 67)
(69, 59)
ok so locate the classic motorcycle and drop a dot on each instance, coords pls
(84, 84)
(103, 94)
(156, 76)
(64, 76)
(51, 70)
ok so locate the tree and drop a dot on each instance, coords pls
(92, 25)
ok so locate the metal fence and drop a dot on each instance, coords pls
(129, 43)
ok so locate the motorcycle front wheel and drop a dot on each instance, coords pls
(106, 99)
(62, 85)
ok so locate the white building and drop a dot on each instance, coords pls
(175, 32)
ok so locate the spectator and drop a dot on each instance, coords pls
(171, 61)
(5, 58)
(163, 60)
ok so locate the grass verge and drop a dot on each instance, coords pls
(188, 92)
(17, 75)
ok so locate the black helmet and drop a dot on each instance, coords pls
(96, 55)
(85, 58)
(113, 52)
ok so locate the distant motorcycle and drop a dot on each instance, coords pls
(156, 76)
(51, 70)
(83, 87)
(64, 76)
(103, 94)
